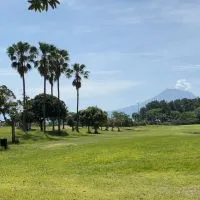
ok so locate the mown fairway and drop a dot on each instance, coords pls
(142, 163)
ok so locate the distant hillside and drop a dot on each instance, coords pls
(167, 95)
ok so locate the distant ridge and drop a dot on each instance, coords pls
(167, 95)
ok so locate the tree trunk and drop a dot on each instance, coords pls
(53, 125)
(58, 85)
(41, 125)
(24, 105)
(63, 124)
(107, 128)
(13, 131)
(4, 116)
(53, 121)
(95, 130)
(77, 112)
(44, 106)
(89, 129)
(51, 89)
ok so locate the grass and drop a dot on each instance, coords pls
(142, 163)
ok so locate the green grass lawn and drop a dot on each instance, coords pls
(158, 162)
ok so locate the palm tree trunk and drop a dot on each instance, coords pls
(51, 89)
(58, 85)
(53, 121)
(24, 104)
(44, 106)
(77, 112)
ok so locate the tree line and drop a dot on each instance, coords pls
(181, 111)
(56, 111)
(51, 63)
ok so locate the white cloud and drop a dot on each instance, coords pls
(188, 67)
(183, 84)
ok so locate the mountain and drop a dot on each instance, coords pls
(173, 94)
(167, 95)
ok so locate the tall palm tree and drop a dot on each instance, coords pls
(43, 66)
(79, 73)
(22, 56)
(52, 76)
(61, 58)
(41, 5)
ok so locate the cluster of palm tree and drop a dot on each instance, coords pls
(51, 63)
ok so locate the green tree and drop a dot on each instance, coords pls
(175, 115)
(14, 115)
(79, 73)
(6, 99)
(93, 116)
(154, 115)
(8, 107)
(188, 116)
(135, 116)
(42, 5)
(43, 66)
(23, 56)
(197, 113)
(54, 107)
(118, 118)
(60, 63)
(71, 120)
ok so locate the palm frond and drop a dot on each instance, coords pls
(42, 5)
(15, 65)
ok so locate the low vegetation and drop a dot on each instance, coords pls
(142, 163)
(180, 111)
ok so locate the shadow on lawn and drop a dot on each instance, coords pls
(56, 133)
(195, 133)
(39, 136)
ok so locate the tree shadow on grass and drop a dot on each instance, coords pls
(195, 133)
(30, 136)
(49, 135)
(56, 133)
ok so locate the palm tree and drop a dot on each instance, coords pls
(22, 56)
(43, 66)
(61, 58)
(52, 76)
(41, 5)
(79, 73)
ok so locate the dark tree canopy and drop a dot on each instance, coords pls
(43, 5)
(7, 99)
(54, 106)
(177, 111)
(93, 116)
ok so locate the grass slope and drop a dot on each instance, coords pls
(143, 163)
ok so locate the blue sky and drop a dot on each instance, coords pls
(134, 49)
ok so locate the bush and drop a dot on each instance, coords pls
(142, 123)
